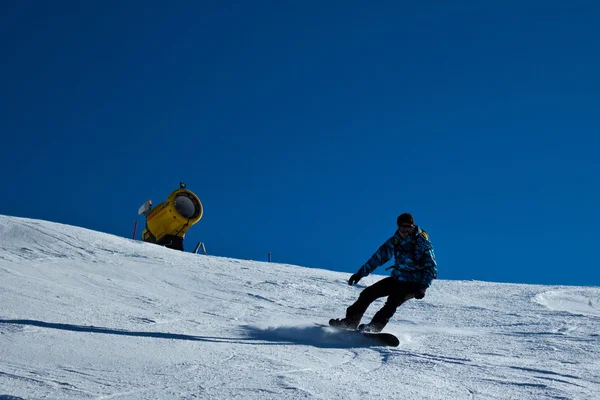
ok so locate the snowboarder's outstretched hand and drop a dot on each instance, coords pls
(354, 279)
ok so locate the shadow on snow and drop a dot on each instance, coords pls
(284, 335)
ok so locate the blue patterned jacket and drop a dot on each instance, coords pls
(414, 258)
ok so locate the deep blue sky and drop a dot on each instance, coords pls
(306, 127)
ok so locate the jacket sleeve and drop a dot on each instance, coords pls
(425, 257)
(381, 256)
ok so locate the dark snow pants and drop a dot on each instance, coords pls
(397, 292)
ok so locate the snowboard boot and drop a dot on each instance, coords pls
(370, 328)
(344, 323)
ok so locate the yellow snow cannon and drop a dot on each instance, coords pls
(167, 223)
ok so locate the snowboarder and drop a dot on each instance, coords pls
(413, 270)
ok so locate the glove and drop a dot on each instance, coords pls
(354, 279)
(419, 294)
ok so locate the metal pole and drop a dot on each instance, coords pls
(199, 246)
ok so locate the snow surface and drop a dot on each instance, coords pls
(87, 315)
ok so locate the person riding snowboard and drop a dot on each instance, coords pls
(414, 269)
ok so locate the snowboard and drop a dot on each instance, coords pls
(378, 339)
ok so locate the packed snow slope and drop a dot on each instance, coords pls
(87, 315)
